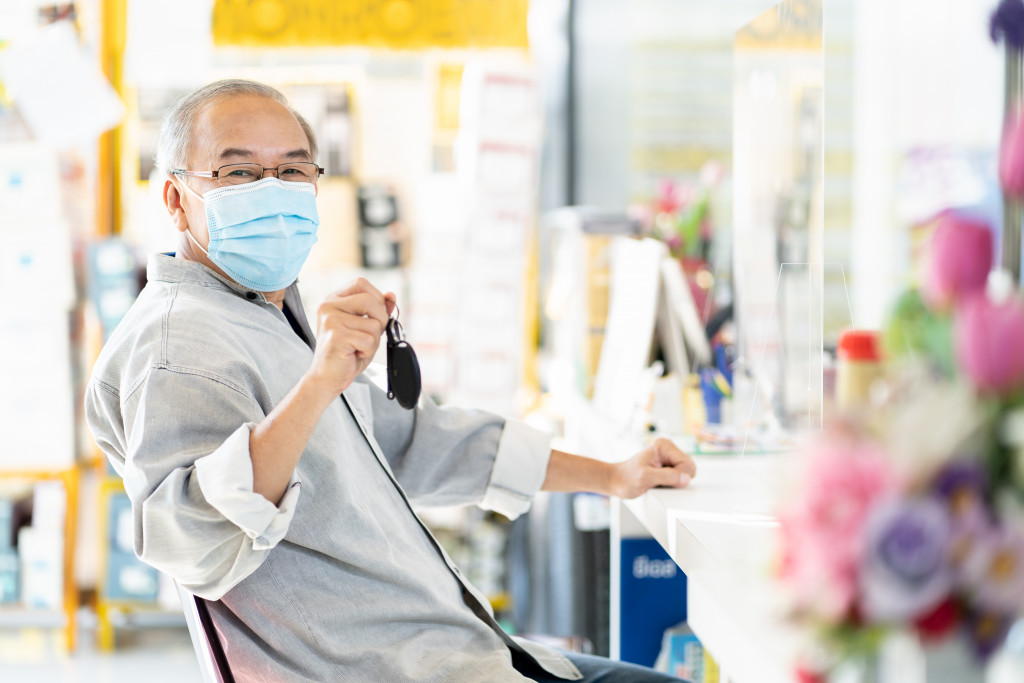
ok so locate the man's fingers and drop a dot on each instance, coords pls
(358, 303)
(365, 344)
(670, 476)
(370, 326)
(670, 455)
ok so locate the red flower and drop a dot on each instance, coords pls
(940, 622)
(807, 676)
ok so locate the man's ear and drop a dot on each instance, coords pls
(172, 200)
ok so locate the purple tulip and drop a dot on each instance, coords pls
(987, 632)
(905, 568)
(963, 485)
(1008, 22)
(960, 258)
(1011, 155)
(990, 343)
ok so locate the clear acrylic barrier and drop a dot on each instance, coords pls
(778, 211)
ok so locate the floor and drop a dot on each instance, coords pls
(152, 654)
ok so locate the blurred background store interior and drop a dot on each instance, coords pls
(482, 159)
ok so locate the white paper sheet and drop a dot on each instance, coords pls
(629, 332)
(36, 404)
(58, 87)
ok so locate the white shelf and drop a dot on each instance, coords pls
(25, 617)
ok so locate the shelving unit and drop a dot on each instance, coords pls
(24, 617)
(113, 612)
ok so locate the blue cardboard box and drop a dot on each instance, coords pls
(129, 578)
(653, 598)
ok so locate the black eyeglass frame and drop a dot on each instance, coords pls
(216, 174)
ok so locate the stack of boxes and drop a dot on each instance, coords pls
(32, 568)
(41, 548)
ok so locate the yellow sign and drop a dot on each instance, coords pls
(791, 25)
(396, 24)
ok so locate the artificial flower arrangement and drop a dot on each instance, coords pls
(909, 515)
(681, 216)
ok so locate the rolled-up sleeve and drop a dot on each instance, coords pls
(226, 482)
(519, 468)
(454, 456)
(187, 470)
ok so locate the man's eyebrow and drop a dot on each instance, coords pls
(234, 152)
(238, 152)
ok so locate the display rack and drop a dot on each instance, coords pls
(112, 612)
(25, 617)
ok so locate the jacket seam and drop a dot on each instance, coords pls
(110, 389)
(182, 370)
(165, 322)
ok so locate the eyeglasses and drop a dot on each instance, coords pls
(240, 174)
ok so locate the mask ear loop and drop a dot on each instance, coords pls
(188, 230)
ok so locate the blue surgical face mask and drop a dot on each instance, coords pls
(261, 232)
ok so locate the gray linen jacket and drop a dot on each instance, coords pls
(340, 581)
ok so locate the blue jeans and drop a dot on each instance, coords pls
(596, 670)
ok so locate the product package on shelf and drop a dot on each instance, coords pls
(41, 551)
(9, 575)
(683, 655)
(126, 576)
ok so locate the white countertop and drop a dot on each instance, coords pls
(721, 532)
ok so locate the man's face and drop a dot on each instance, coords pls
(232, 130)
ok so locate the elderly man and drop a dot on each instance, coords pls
(268, 475)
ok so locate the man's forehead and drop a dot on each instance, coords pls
(242, 127)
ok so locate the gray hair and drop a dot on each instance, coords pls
(174, 146)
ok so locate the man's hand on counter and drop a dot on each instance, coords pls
(660, 464)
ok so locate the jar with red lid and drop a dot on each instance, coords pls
(859, 365)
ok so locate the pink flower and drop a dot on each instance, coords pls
(990, 343)
(823, 528)
(960, 259)
(668, 199)
(1011, 156)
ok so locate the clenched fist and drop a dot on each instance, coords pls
(350, 322)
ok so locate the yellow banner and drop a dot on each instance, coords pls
(395, 24)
